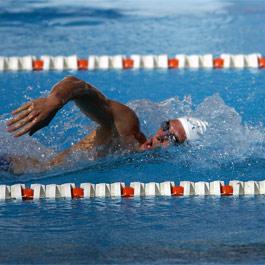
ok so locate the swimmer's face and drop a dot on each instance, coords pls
(170, 132)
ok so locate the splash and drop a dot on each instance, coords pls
(21, 146)
(151, 114)
(227, 143)
(227, 140)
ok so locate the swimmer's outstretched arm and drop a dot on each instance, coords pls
(38, 113)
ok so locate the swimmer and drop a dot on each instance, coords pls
(118, 129)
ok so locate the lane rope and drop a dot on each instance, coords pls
(135, 189)
(121, 62)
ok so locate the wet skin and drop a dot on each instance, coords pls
(118, 128)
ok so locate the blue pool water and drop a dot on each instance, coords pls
(153, 230)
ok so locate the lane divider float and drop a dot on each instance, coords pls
(119, 62)
(135, 189)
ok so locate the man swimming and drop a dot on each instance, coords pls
(118, 129)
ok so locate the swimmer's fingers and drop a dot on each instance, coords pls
(26, 128)
(23, 107)
(41, 122)
(18, 117)
(19, 124)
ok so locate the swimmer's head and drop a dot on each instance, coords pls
(193, 127)
(177, 131)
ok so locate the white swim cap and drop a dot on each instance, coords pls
(193, 127)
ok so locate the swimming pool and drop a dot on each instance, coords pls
(151, 230)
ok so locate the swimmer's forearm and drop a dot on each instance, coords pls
(38, 113)
(22, 164)
(72, 88)
(59, 158)
(86, 97)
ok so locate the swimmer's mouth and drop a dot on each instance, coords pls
(172, 138)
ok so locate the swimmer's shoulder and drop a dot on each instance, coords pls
(122, 114)
(126, 121)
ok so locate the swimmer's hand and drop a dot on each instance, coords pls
(33, 115)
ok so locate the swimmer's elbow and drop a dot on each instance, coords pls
(69, 88)
(70, 78)
(78, 86)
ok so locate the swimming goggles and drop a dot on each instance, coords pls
(165, 126)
